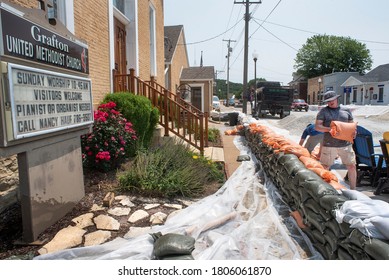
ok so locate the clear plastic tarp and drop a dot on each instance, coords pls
(245, 220)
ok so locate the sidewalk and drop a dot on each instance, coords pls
(229, 153)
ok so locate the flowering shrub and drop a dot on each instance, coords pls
(105, 147)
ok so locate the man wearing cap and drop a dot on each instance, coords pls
(331, 147)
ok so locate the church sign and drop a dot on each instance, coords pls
(37, 100)
(44, 102)
(35, 43)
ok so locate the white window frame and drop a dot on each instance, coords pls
(65, 13)
(153, 48)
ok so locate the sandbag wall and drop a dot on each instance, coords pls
(313, 202)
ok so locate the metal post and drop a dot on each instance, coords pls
(246, 43)
(229, 50)
(246, 47)
(255, 84)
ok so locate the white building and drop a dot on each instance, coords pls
(370, 89)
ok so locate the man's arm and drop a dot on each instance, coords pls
(320, 127)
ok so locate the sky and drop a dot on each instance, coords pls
(278, 29)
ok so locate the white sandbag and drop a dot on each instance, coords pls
(366, 228)
(382, 225)
(354, 195)
(362, 209)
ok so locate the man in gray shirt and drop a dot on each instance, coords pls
(331, 147)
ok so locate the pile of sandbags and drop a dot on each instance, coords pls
(314, 196)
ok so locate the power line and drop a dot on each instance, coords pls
(316, 33)
(209, 39)
(266, 17)
(279, 38)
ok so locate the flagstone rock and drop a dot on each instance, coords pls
(96, 207)
(174, 206)
(151, 206)
(84, 221)
(97, 237)
(158, 218)
(106, 222)
(136, 231)
(127, 202)
(119, 211)
(137, 216)
(66, 238)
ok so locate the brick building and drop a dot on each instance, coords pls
(120, 34)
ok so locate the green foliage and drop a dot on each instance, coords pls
(235, 88)
(103, 149)
(324, 54)
(213, 134)
(139, 110)
(169, 170)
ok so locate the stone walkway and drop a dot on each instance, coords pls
(107, 219)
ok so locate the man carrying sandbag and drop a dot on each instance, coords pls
(331, 146)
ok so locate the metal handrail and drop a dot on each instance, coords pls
(176, 115)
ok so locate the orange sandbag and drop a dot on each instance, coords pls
(299, 220)
(310, 162)
(337, 186)
(231, 132)
(315, 154)
(240, 127)
(295, 149)
(325, 174)
(343, 130)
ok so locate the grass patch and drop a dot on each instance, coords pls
(170, 170)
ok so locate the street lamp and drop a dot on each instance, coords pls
(255, 57)
(318, 95)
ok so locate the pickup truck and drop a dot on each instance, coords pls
(273, 99)
(300, 104)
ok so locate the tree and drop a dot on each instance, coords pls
(324, 54)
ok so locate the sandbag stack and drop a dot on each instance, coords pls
(313, 197)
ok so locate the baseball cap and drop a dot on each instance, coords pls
(330, 95)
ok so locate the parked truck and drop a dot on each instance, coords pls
(273, 99)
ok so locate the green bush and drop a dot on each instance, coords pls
(169, 170)
(140, 112)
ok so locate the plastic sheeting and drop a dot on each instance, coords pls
(244, 220)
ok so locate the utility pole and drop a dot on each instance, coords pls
(228, 67)
(247, 17)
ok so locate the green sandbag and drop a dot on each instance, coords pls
(287, 157)
(357, 238)
(378, 249)
(334, 226)
(318, 189)
(344, 255)
(318, 236)
(292, 166)
(172, 244)
(331, 239)
(345, 228)
(305, 175)
(314, 206)
(355, 251)
(178, 257)
(315, 219)
(332, 201)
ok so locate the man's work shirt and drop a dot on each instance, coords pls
(327, 115)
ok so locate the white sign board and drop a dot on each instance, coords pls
(44, 101)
